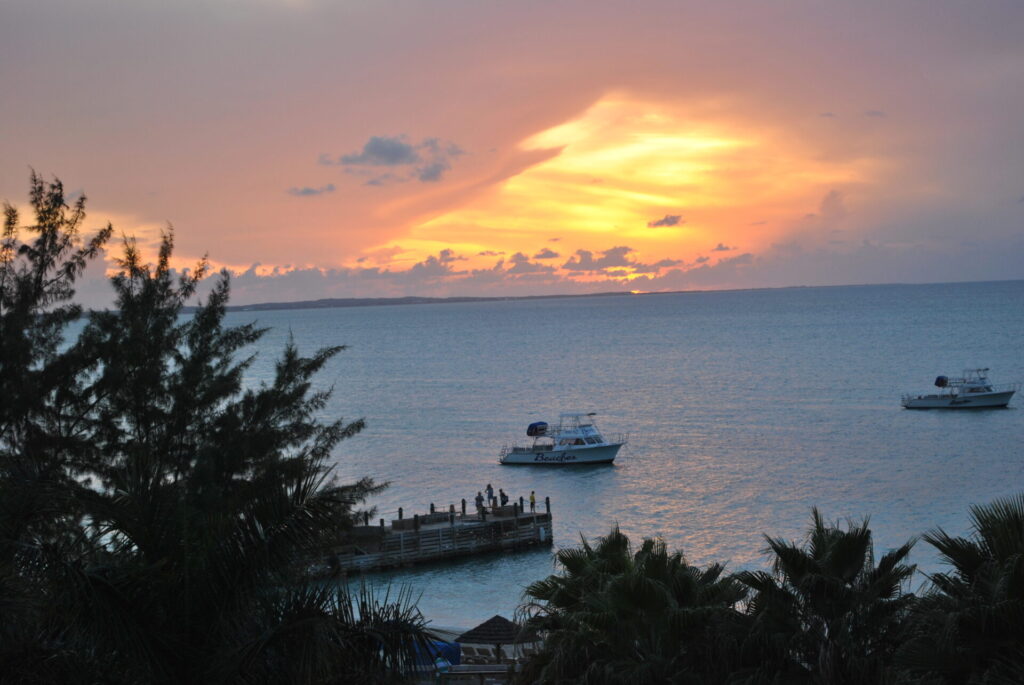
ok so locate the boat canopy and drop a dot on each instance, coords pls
(537, 429)
(941, 381)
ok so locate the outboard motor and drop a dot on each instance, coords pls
(941, 382)
(536, 429)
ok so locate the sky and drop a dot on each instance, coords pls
(457, 147)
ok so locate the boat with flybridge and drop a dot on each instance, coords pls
(575, 440)
(970, 391)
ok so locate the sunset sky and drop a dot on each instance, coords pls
(444, 147)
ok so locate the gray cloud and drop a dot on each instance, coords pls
(722, 247)
(827, 115)
(546, 253)
(426, 162)
(306, 191)
(489, 253)
(876, 113)
(385, 179)
(615, 262)
(382, 151)
(433, 270)
(433, 171)
(584, 260)
(438, 148)
(654, 268)
(521, 264)
(667, 220)
(447, 255)
(701, 260)
(728, 270)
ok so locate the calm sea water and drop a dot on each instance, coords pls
(744, 409)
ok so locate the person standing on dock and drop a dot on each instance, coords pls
(533, 501)
(490, 495)
(479, 502)
(502, 497)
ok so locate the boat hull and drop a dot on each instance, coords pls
(988, 400)
(601, 454)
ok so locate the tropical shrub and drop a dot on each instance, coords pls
(617, 616)
(969, 626)
(827, 613)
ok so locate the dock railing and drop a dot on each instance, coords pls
(440, 535)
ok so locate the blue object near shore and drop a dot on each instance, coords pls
(440, 650)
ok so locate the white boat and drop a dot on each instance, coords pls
(575, 440)
(971, 391)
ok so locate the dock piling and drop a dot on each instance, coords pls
(399, 513)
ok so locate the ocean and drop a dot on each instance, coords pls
(744, 410)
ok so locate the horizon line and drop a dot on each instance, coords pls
(342, 302)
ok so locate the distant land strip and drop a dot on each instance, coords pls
(332, 302)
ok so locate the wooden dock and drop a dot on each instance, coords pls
(440, 535)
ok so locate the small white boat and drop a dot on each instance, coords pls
(575, 440)
(971, 391)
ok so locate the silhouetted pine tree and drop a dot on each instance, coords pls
(39, 448)
(156, 514)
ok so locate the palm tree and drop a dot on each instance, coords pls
(615, 616)
(969, 627)
(827, 613)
